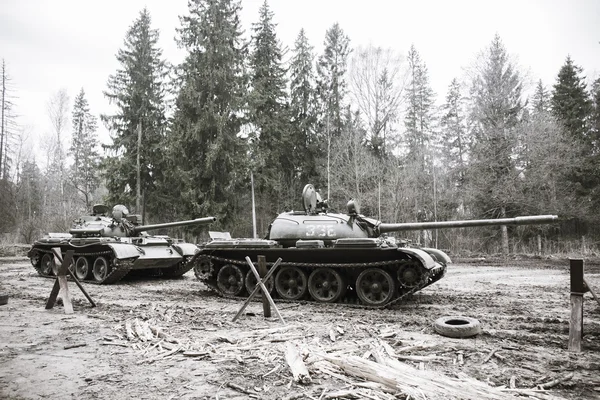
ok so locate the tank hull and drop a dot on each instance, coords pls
(104, 260)
(358, 271)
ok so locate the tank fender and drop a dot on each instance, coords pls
(442, 257)
(426, 259)
(186, 249)
(125, 250)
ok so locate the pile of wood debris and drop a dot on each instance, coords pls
(384, 370)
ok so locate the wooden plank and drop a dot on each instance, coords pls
(576, 323)
(62, 278)
(296, 364)
(262, 271)
(80, 286)
(53, 295)
(64, 290)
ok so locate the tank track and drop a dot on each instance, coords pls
(427, 278)
(117, 272)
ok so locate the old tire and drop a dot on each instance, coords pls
(457, 326)
(3, 299)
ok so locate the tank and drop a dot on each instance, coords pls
(333, 257)
(107, 246)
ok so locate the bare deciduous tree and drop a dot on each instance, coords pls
(377, 80)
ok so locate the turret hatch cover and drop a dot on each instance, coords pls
(309, 198)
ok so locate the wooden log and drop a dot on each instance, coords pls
(296, 364)
(556, 381)
(413, 382)
(74, 346)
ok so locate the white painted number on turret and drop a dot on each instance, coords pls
(320, 231)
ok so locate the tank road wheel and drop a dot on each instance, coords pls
(101, 269)
(47, 264)
(326, 285)
(82, 268)
(290, 283)
(230, 280)
(250, 282)
(409, 275)
(375, 287)
(203, 268)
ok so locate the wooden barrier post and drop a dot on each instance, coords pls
(578, 288)
(262, 271)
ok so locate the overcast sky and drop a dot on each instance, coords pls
(70, 44)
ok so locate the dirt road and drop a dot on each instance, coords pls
(155, 339)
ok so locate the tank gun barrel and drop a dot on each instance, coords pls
(416, 226)
(197, 221)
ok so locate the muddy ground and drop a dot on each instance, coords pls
(156, 339)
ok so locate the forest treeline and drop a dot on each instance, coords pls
(357, 122)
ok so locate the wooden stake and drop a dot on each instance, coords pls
(262, 271)
(578, 288)
(576, 324)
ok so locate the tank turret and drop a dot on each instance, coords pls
(316, 223)
(122, 224)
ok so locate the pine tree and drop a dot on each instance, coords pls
(207, 151)
(84, 174)
(418, 124)
(137, 90)
(29, 200)
(496, 112)
(419, 114)
(595, 118)
(331, 87)
(571, 103)
(303, 111)
(455, 139)
(572, 107)
(267, 106)
(541, 99)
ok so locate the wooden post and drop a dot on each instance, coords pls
(262, 271)
(578, 288)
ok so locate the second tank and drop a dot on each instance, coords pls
(108, 245)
